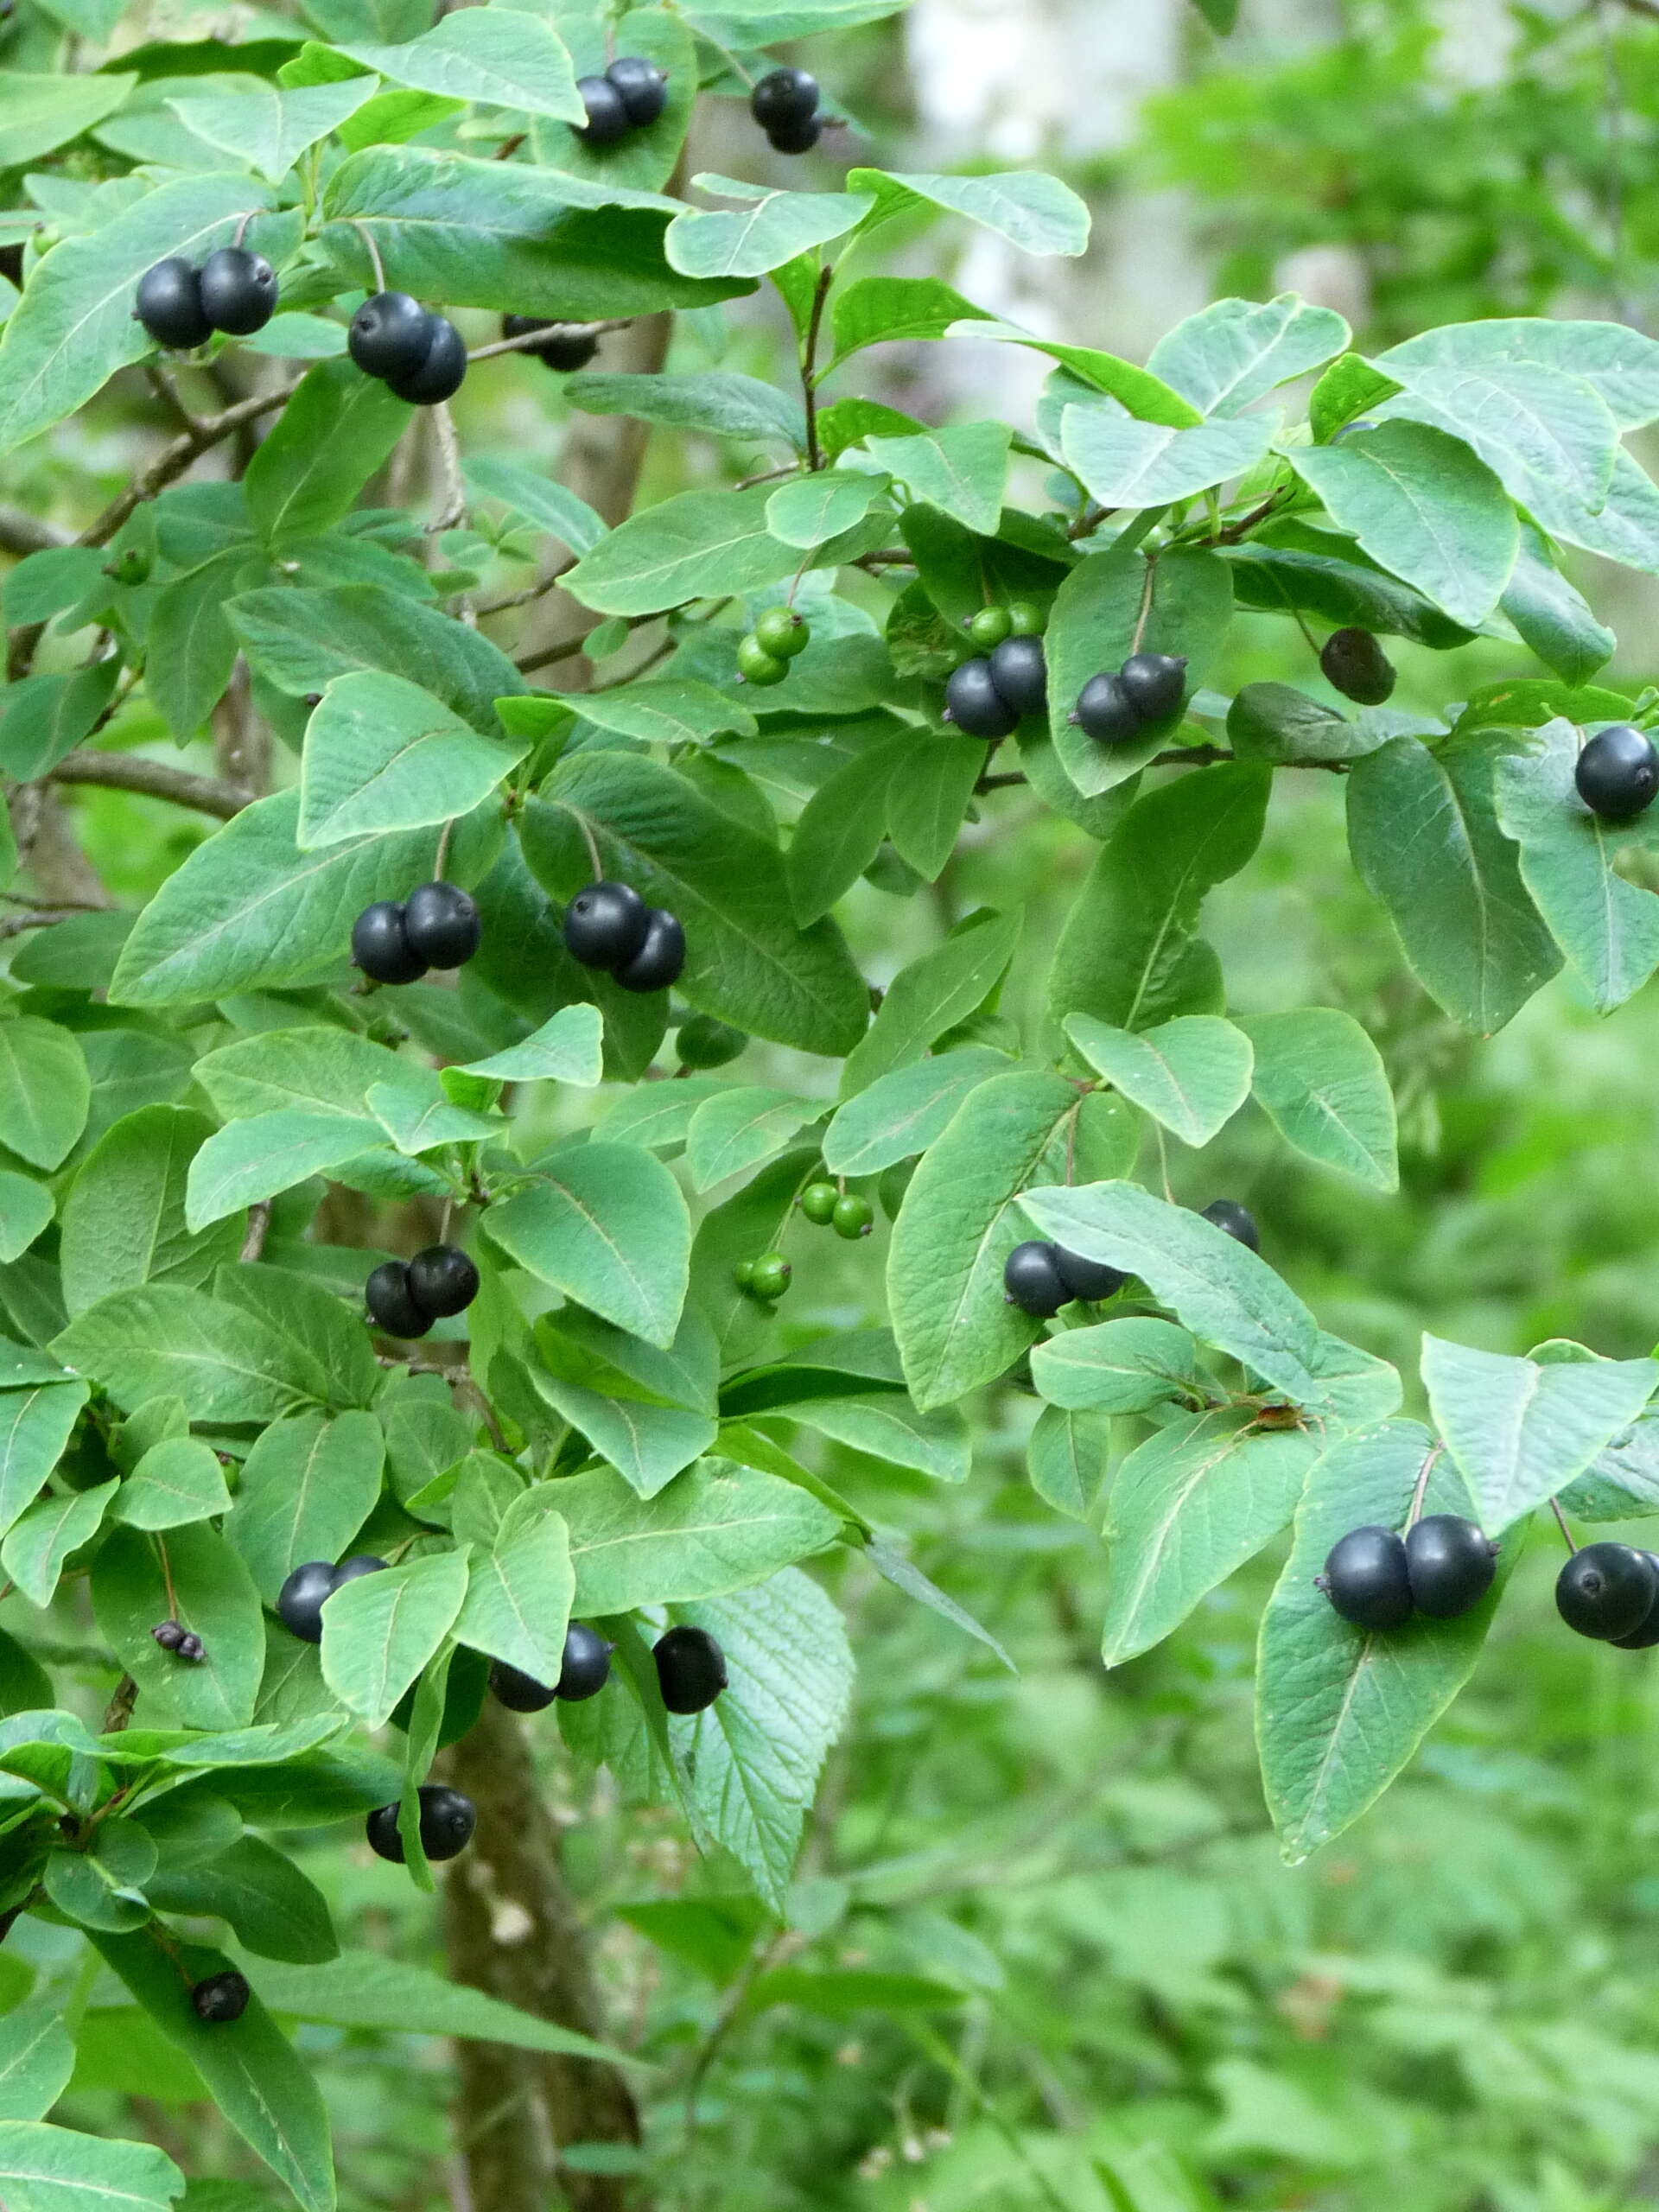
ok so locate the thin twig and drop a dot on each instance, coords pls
(528, 340)
(132, 772)
(22, 533)
(532, 592)
(1554, 1503)
(453, 509)
(175, 459)
(373, 252)
(253, 1243)
(809, 361)
(1415, 1512)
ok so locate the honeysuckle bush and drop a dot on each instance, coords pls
(199, 1100)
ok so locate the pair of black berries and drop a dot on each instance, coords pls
(181, 306)
(417, 353)
(1440, 1568)
(1617, 774)
(396, 940)
(1117, 706)
(301, 1598)
(631, 94)
(1355, 665)
(1610, 1591)
(183, 1643)
(785, 104)
(609, 925)
(691, 1672)
(567, 345)
(405, 1297)
(987, 698)
(1039, 1277)
(447, 1820)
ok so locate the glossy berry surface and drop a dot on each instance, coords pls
(743, 1274)
(587, 1665)
(1020, 671)
(642, 87)
(1606, 1591)
(1105, 712)
(690, 1669)
(607, 113)
(818, 1203)
(168, 304)
(447, 1820)
(390, 1302)
(660, 958)
(566, 347)
(989, 626)
(1367, 1580)
(853, 1217)
(239, 290)
(1032, 1279)
(442, 1280)
(380, 948)
(1355, 665)
(443, 372)
(783, 96)
(440, 925)
(1155, 685)
(782, 631)
(757, 666)
(605, 925)
(1617, 774)
(1237, 1220)
(975, 704)
(222, 1998)
(1025, 619)
(1090, 1280)
(1646, 1634)
(1451, 1562)
(704, 1042)
(358, 1565)
(769, 1277)
(518, 1692)
(300, 1600)
(390, 335)
(797, 137)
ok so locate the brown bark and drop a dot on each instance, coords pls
(513, 1929)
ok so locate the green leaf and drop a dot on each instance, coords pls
(1191, 1074)
(307, 1486)
(37, 2057)
(517, 1604)
(1187, 1509)
(209, 1592)
(1519, 1430)
(224, 1363)
(41, 114)
(668, 711)
(269, 129)
(565, 1049)
(1340, 1710)
(44, 717)
(962, 470)
(1141, 394)
(741, 1126)
(334, 433)
(319, 1070)
(34, 1426)
(268, 1153)
(770, 229)
(745, 962)
(883, 310)
(552, 507)
(261, 2089)
(728, 405)
(1231, 352)
(1125, 463)
(625, 1417)
(1117, 1367)
(1550, 439)
(45, 1090)
(931, 995)
(1618, 362)
(696, 546)
(189, 649)
(39, 1543)
(379, 1631)
(176, 1481)
(300, 641)
(45, 2168)
(1423, 506)
(928, 802)
(367, 1989)
(605, 1224)
(494, 58)
(382, 754)
(884, 1425)
(1031, 210)
(1552, 615)
(840, 827)
(645, 155)
(322, 1332)
(716, 1528)
(815, 509)
(958, 1222)
(275, 1911)
(1322, 1083)
(1067, 1456)
(1424, 833)
(903, 1113)
(1277, 724)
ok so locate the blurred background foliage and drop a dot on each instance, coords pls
(1042, 1952)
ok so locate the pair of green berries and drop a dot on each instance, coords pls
(992, 625)
(766, 1278)
(763, 657)
(828, 1207)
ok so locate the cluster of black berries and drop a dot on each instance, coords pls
(1115, 707)
(1039, 1277)
(1617, 774)
(1440, 1568)
(786, 104)
(583, 1672)
(1357, 666)
(448, 1818)
(986, 698)
(396, 940)
(418, 353)
(301, 1599)
(567, 345)
(609, 925)
(222, 1997)
(632, 93)
(826, 1206)
(1610, 1591)
(181, 306)
(405, 1297)
(764, 655)
(183, 1643)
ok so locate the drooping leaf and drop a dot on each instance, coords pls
(605, 1224)
(379, 1630)
(1191, 1074)
(716, 1528)
(1321, 1082)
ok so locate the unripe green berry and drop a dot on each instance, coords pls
(782, 631)
(818, 1203)
(743, 1274)
(756, 665)
(989, 626)
(853, 1217)
(130, 566)
(771, 1276)
(1025, 619)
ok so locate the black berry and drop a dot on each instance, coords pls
(660, 959)
(192, 1648)
(607, 113)
(1105, 712)
(587, 1665)
(690, 1669)
(1367, 1580)
(390, 335)
(974, 703)
(353, 1569)
(390, 1302)
(1238, 1221)
(440, 925)
(168, 304)
(1021, 675)
(1358, 666)
(1451, 1563)
(1617, 772)
(443, 372)
(1032, 1279)
(797, 137)
(442, 1280)
(1090, 1279)
(1606, 1591)
(642, 87)
(784, 97)
(380, 946)
(222, 1998)
(517, 1691)
(1646, 1634)
(168, 1635)
(605, 925)
(447, 1820)
(567, 347)
(1155, 685)
(300, 1600)
(239, 290)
